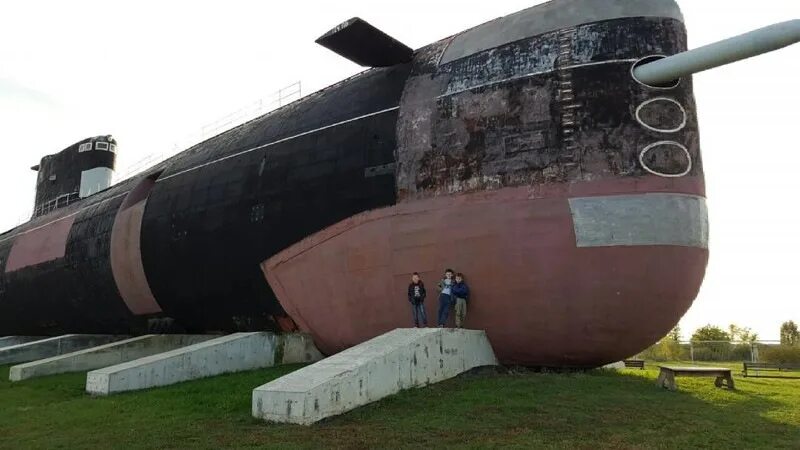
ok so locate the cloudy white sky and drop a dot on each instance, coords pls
(153, 72)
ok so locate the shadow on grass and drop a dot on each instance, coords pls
(597, 409)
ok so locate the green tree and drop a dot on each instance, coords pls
(742, 334)
(710, 333)
(675, 334)
(790, 334)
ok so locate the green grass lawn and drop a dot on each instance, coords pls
(597, 409)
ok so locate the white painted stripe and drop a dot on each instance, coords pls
(534, 74)
(642, 219)
(444, 49)
(305, 133)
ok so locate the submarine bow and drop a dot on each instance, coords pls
(522, 152)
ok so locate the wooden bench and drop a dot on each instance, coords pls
(634, 364)
(666, 378)
(770, 367)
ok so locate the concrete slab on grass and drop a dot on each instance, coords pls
(370, 371)
(8, 341)
(105, 355)
(619, 365)
(46, 348)
(234, 353)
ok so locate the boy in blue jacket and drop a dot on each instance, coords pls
(461, 295)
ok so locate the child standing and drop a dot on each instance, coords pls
(461, 294)
(445, 297)
(416, 296)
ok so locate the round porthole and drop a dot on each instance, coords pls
(667, 159)
(661, 114)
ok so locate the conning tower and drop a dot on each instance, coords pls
(76, 172)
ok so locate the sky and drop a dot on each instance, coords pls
(153, 72)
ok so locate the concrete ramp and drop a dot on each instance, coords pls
(8, 341)
(234, 353)
(46, 348)
(400, 359)
(104, 355)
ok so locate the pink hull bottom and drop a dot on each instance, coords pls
(542, 300)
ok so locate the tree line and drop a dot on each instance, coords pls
(790, 334)
(736, 343)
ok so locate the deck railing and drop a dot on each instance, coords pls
(245, 114)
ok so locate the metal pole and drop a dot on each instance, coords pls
(737, 48)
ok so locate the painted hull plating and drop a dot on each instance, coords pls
(542, 300)
(521, 152)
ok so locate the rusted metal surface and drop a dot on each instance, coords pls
(553, 16)
(42, 244)
(126, 252)
(561, 107)
(126, 261)
(541, 299)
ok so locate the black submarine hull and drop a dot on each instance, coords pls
(542, 109)
(213, 214)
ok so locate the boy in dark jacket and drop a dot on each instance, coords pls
(416, 296)
(461, 294)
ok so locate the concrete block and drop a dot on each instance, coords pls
(46, 348)
(370, 371)
(619, 365)
(234, 353)
(104, 355)
(8, 341)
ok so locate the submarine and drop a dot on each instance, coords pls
(551, 155)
